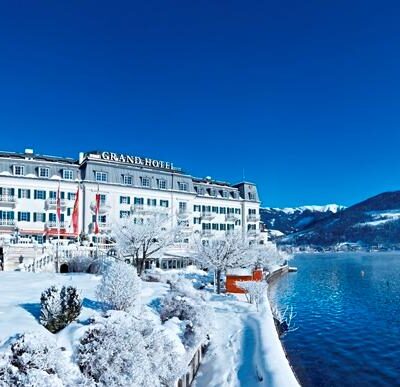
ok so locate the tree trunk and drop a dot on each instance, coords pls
(218, 279)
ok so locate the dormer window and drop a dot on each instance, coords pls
(101, 176)
(224, 194)
(43, 172)
(145, 181)
(18, 170)
(161, 184)
(68, 174)
(252, 196)
(127, 180)
(182, 186)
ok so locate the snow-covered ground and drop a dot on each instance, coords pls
(244, 351)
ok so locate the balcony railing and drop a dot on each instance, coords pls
(253, 233)
(51, 203)
(208, 215)
(182, 214)
(103, 227)
(207, 233)
(104, 207)
(145, 209)
(7, 200)
(55, 224)
(253, 218)
(7, 222)
(231, 217)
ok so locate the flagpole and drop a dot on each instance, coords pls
(58, 227)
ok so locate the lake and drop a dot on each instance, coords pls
(348, 318)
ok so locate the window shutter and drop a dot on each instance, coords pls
(34, 216)
(19, 216)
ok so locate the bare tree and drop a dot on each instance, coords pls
(219, 254)
(141, 238)
(255, 291)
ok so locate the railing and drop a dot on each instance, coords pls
(8, 199)
(55, 224)
(104, 207)
(231, 217)
(40, 263)
(7, 222)
(52, 202)
(207, 215)
(253, 218)
(253, 233)
(182, 214)
(187, 379)
(207, 233)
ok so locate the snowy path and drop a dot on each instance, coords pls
(245, 349)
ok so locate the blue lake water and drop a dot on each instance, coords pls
(348, 318)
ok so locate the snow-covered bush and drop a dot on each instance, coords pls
(59, 308)
(33, 360)
(189, 306)
(120, 287)
(121, 350)
(255, 290)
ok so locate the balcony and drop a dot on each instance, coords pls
(207, 215)
(146, 210)
(207, 233)
(7, 223)
(253, 233)
(231, 217)
(7, 200)
(104, 208)
(51, 203)
(253, 218)
(186, 230)
(182, 214)
(104, 227)
(50, 225)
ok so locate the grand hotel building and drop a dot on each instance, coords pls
(127, 184)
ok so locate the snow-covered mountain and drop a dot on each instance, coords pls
(293, 219)
(373, 223)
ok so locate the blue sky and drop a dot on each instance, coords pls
(302, 96)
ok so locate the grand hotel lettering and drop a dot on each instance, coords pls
(135, 160)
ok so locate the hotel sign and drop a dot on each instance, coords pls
(135, 160)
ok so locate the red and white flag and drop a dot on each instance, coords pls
(96, 228)
(75, 214)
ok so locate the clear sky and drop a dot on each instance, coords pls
(304, 96)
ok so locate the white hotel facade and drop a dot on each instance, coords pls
(127, 185)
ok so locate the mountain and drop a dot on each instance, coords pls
(373, 223)
(289, 220)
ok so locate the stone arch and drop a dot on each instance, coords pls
(64, 268)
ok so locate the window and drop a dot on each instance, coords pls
(252, 211)
(24, 193)
(138, 201)
(161, 184)
(152, 202)
(69, 211)
(39, 194)
(215, 209)
(103, 199)
(229, 227)
(43, 172)
(145, 182)
(206, 226)
(201, 191)
(52, 218)
(101, 176)
(68, 174)
(215, 226)
(213, 192)
(182, 186)
(7, 215)
(222, 210)
(224, 194)
(237, 211)
(222, 226)
(164, 203)
(24, 216)
(196, 220)
(127, 180)
(182, 207)
(124, 214)
(71, 195)
(18, 170)
(39, 217)
(196, 208)
(252, 196)
(102, 218)
(237, 223)
(251, 227)
(124, 200)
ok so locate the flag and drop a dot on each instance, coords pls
(58, 206)
(96, 228)
(75, 213)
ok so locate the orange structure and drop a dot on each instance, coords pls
(241, 275)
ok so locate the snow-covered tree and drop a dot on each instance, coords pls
(59, 307)
(220, 254)
(268, 256)
(120, 286)
(121, 350)
(142, 238)
(190, 307)
(33, 360)
(255, 290)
